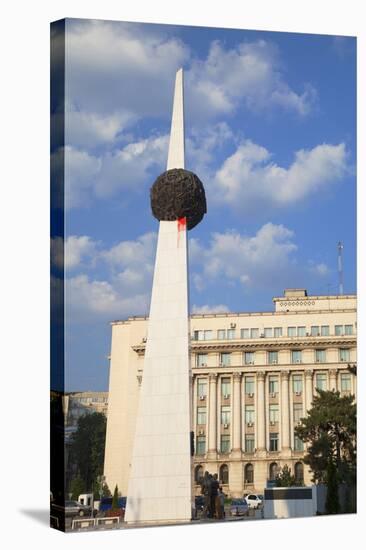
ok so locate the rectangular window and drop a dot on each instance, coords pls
(273, 413)
(201, 359)
(298, 414)
(249, 358)
(298, 444)
(225, 444)
(249, 385)
(244, 333)
(201, 445)
(225, 415)
(221, 334)
(296, 356)
(272, 357)
(315, 331)
(249, 443)
(324, 330)
(208, 335)
(297, 383)
(225, 359)
(254, 333)
(320, 356)
(301, 331)
(225, 387)
(273, 442)
(231, 334)
(273, 385)
(249, 414)
(344, 355)
(321, 381)
(202, 387)
(201, 415)
(291, 332)
(338, 330)
(198, 335)
(268, 332)
(277, 332)
(348, 329)
(346, 382)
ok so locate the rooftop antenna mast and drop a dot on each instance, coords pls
(340, 267)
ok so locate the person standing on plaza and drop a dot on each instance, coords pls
(206, 491)
(221, 504)
(214, 494)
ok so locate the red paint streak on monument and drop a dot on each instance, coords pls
(182, 225)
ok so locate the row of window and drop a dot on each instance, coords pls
(225, 443)
(249, 414)
(249, 473)
(320, 356)
(272, 332)
(321, 379)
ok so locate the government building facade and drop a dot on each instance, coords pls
(254, 376)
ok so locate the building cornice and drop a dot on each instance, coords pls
(283, 343)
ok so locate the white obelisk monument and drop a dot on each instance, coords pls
(160, 483)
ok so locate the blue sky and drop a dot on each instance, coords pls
(270, 131)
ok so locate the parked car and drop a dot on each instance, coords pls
(239, 507)
(71, 508)
(254, 501)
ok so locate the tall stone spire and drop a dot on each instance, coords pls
(176, 143)
(160, 482)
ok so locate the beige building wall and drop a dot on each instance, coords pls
(321, 361)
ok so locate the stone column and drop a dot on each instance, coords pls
(236, 415)
(285, 412)
(261, 414)
(308, 388)
(333, 379)
(212, 417)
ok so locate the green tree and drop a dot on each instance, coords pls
(115, 498)
(332, 500)
(77, 487)
(87, 448)
(330, 431)
(284, 478)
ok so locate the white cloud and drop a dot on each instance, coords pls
(220, 308)
(125, 286)
(70, 253)
(114, 64)
(249, 176)
(101, 299)
(320, 269)
(88, 176)
(77, 249)
(252, 261)
(132, 253)
(250, 74)
(88, 129)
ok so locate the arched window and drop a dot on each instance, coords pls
(249, 474)
(299, 472)
(224, 474)
(273, 468)
(198, 473)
